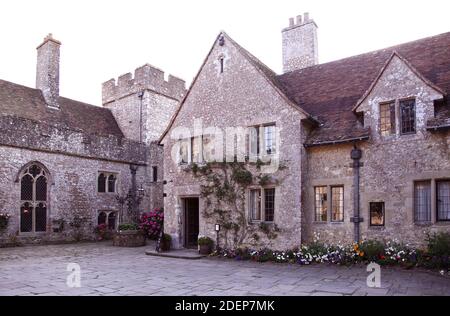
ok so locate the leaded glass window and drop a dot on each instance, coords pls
(422, 201)
(33, 196)
(387, 119)
(269, 205)
(107, 182)
(443, 200)
(321, 203)
(337, 204)
(408, 116)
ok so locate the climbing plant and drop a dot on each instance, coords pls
(223, 186)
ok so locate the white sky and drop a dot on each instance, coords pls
(104, 39)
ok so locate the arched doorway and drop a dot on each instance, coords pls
(33, 199)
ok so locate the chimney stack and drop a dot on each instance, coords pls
(47, 70)
(300, 44)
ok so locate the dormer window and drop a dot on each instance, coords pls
(407, 116)
(387, 118)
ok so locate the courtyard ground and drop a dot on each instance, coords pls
(108, 270)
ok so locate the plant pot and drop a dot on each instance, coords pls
(205, 249)
(165, 245)
(129, 238)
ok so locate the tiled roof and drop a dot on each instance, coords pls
(329, 91)
(25, 102)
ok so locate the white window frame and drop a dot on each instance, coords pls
(262, 204)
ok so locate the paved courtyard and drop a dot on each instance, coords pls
(107, 270)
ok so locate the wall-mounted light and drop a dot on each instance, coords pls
(217, 227)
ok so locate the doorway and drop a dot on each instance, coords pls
(191, 222)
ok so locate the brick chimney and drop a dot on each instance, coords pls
(47, 70)
(300, 44)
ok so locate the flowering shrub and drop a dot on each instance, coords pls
(4, 218)
(152, 223)
(102, 231)
(389, 253)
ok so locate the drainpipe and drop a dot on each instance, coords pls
(356, 219)
(133, 191)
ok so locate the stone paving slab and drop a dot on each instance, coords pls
(113, 271)
(176, 254)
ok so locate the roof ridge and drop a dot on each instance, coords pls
(380, 50)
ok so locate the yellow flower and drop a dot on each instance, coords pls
(361, 253)
(355, 247)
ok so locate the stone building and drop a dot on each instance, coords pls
(359, 146)
(64, 162)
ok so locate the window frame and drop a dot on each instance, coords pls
(324, 212)
(438, 181)
(262, 204)
(261, 140)
(400, 112)
(332, 203)
(429, 203)
(107, 175)
(371, 224)
(392, 120)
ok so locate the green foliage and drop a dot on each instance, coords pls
(438, 251)
(242, 177)
(205, 241)
(128, 226)
(372, 249)
(166, 238)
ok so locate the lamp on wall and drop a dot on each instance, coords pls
(217, 229)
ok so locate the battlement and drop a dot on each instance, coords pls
(146, 77)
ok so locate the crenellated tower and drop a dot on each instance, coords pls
(143, 104)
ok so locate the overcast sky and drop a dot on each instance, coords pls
(104, 39)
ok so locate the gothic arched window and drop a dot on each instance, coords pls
(107, 182)
(33, 196)
(101, 183)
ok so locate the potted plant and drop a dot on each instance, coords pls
(101, 231)
(205, 245)
(4, 219)
(166, 242)
(129, 235)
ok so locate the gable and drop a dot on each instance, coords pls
(398, 79)
(244, 78)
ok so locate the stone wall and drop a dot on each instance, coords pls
(72, 192)
(73, 159)
(143, 105)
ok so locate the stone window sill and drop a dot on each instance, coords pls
(377, 227)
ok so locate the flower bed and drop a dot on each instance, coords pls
(436, 256)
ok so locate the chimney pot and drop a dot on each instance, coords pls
(299, 19)
(291, 21)
(306, 16)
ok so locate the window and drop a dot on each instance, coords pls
(443, 200)
(408, 116)
(267, 143)
(106, 182)
(33, 196)
(269, 204)
(376, 210)
(184, 151)
(208, 148)
(221, 64)
(155, 174)
(196, 149)
(422, 201)
(337, 204)
(321, 206)
(262, 204)
(108, 218)
(255, 204)
(387, 118)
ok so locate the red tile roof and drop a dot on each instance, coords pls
(329, 91)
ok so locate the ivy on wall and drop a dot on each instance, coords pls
(223, 187)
